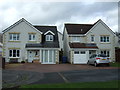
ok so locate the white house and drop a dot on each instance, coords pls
(23, 41)
(82, 40)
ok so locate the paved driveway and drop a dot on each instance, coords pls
(52, 68)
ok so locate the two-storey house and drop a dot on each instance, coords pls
(23, 41)
(82, 40)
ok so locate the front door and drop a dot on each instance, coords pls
(48, 57)
(31, 55)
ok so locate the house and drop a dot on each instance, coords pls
(1, 37)
(82, 40)
(23, 41)
(1, 49)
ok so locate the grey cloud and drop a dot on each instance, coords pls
(58, 13)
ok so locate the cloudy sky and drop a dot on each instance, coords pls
(58, 13)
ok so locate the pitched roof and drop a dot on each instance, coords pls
(45, 44)
(78, 28)
(42, 45)
(83, 45)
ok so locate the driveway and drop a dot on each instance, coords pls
(12, 78)
(36, 67)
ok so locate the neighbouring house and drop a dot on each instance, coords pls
(23, 41)
(117, 49)
(1, 49)
(1, 39)
(82, 40)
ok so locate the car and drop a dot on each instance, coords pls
(97, 59)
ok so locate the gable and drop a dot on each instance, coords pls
(20, 22)
(101, 28)
(49, 33)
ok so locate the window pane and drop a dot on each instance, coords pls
(18, 53)
(10, 35)
(101, 39)
(14, 36)
(51, 37)
(10, 53)
(76, 52)
(92, 38)
(47, 38)
(17, 36)
(50, 55)
(14, 53)
(33, 37)
(46, 55)
(107, 39)
(29, 36)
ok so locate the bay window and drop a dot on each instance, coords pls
(14, 53)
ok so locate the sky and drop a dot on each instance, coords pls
(58, 13)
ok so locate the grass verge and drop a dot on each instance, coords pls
(115, 64)
(108, 84)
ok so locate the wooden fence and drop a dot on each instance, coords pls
(117, 55)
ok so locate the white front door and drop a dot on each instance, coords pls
(31, 55)
(48, 57)
(80, 57)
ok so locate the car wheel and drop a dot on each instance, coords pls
(95, 64)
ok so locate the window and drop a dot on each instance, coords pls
(49, 37)
(14, 37)
(104, 38)
(14, 53)
(76, 39)
(92, 38)
(82, 52)
(76, 52)
(106, 52)
(31, 37)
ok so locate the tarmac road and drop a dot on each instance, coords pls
(12, 78)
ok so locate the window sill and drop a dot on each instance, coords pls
(14, 57)
(14, 41)
(105, 43)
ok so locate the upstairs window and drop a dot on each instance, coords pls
(31, 37)
(49, 37)
(104, 39)
(92, 38)
(14, 37)
(76, 39)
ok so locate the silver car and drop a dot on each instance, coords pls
(97, 59)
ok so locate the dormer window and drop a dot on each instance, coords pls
(49, 37)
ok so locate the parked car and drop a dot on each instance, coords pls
(97, 59)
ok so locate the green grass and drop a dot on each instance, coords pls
(108, 84)
(115, 64)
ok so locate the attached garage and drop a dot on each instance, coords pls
(80, 52)
(80, 57)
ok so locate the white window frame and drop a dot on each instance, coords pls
(32, 36)
(48, 37)
(75, 39)
(16, 53)
(104, 39)
(106, 52)
(12, 35)
(48, 53)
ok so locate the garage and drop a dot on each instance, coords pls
(80, 57)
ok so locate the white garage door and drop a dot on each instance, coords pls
(80, 57)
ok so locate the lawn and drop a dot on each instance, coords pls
(108, 84)
(115, 64)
